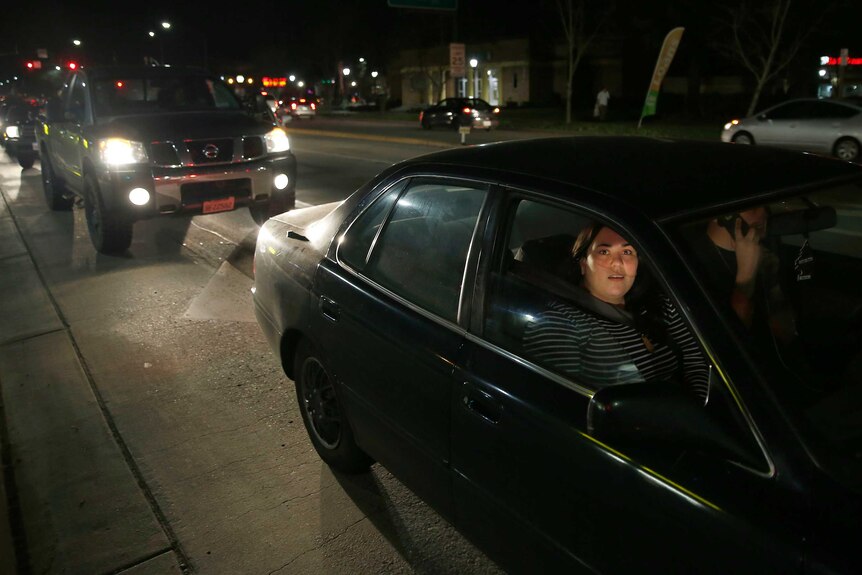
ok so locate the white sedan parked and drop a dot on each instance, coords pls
(830, 127)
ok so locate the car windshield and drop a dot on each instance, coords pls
(479, 104)
(22, 113)
(120, 96)
(800, 316)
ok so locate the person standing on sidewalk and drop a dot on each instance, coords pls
(602, 99)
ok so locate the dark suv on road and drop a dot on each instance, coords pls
(17, 125)
(139, 142)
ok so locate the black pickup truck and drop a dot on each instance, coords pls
(139, 142)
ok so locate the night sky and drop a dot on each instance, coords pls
(311, 36)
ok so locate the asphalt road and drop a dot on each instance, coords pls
(146, 424)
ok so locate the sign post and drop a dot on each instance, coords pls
(457, 61)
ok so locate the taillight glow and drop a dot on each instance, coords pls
(467, 110)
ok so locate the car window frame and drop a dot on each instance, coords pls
(494, 242)
(468, 276)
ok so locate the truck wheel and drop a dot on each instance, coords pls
(26, 160)
(109, 233)
(54, 190)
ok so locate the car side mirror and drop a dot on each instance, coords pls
(660, 415)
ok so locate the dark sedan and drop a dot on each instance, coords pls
(461, 112)
(408, 316)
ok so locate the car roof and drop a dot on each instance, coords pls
(848, 101)
(660, 177)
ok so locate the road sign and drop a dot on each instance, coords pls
(457, 61)
(425, 4)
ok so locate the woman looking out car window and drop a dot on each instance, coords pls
(615, 329)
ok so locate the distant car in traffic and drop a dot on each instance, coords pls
(407, 317)
(831, 127)
(296, 109)
(461, 112)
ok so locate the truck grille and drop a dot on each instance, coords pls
(205, 152)
(210, 151)
(252, 147)
(164, 154)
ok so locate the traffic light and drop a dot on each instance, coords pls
(72, 65)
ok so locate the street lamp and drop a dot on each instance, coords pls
(151, 34)
(473, 64)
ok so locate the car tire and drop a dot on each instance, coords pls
(743, 138)
(26, 160)
(109, 233)
(54, 189)
(847, 149)
(323, 415)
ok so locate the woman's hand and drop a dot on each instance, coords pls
(748, 252)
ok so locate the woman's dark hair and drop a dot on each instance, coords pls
(585, 239)
(642, 300)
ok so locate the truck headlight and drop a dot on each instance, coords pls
(117, 152)
(277, 141)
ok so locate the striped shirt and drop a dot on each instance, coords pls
(599, 352)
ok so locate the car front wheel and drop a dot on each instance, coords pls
(743, 138)
(110, 234)
(323, 415)
(847, 149)
(26, 160)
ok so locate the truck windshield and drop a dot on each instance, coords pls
(155, 95)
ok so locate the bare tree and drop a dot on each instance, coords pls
(427, 71)
(766, 35)
(580, 29)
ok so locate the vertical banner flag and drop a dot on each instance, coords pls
(665, 57)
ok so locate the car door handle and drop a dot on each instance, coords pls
(329, 308)
(481, 403)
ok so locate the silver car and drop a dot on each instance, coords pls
(831, 127)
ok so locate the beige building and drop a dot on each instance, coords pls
(503, 74)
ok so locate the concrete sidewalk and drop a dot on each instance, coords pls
(70, 498)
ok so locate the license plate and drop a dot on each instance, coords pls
(486, 123)
(220, 205)
(35, 146)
